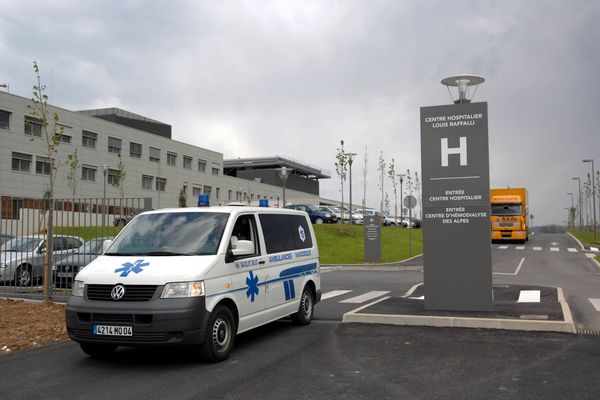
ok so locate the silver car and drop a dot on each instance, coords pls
(22, 258)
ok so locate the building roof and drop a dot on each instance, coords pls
(130, 119)
(278, 161)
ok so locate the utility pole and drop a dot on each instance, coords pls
(579, 203)
(593, 195)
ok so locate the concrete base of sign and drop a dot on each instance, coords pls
(514, 309)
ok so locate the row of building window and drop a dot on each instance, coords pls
(33, 127)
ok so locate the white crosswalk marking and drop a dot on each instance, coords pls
(590, 255)
(529, 296)
(365, 297)
(334, 293)
(520, 248)
(554, 249)
(503, 247)
(572, 250)
(594, 249)
(595, 303)
(537, 248)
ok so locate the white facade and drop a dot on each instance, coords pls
(22, 163)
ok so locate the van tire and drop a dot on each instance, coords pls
(220, 335)
(305, 309)
(97, 350)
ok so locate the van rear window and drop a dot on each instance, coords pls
(285, 232)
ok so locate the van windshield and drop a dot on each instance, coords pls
(167, 234)
(506, 209)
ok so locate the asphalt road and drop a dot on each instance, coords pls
(331, 360)
(324, 360)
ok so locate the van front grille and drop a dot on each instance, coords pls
(132, 292)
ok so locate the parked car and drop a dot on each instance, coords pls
(123, 220)
(389, 220)
(357, 216)
(22, 258)
(5, 238)
(332, 210)
(316, 216)
(65, 269)
(414, 222)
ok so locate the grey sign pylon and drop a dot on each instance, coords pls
(456, 207)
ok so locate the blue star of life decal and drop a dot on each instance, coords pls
(129, 267)
(252, 282)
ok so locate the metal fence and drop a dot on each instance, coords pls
(78, 228)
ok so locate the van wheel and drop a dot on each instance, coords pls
(23, 275)
(220, 335)
(319, 221)
(306, 308)
(97, 350)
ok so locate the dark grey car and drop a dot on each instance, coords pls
(65, 269)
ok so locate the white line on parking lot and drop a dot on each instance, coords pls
(537, 248)
(365, 297)
(520, 248)
(529, 296)
(572, 250)
(516, 271)
(503, 247)
(334, 293)
(554, 249)
(595, 303)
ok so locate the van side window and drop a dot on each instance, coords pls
(285, 232)
(245, 229)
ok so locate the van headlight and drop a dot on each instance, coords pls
(77, 288)
(178, 290)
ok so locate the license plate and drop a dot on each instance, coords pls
(112, 330)
(65, 274)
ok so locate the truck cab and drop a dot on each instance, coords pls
(509, 214)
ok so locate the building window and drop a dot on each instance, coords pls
(88, 139)
(88, 173)
(135, 150)
(114, 145)
(63, 138)
(42, 165)
(171, 158)
(187, 162)
(147, 182)
(201, 165)
(218, 193)
(154, 154)
(113, 177)
(196, 191)
(21, 162)
(33, 126)
(4, 119)
(161, 184)
(215, 171)
(207, 190)
(229, 195)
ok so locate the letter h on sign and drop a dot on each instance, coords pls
(461, 150)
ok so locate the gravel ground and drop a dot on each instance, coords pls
(25, 324)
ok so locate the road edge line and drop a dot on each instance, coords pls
(577, 240)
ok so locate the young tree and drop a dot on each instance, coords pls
(341, 168)
(182, 197)
(392, 175)
(387, 203)
(418, 194)
(50, 134)
(381, 182)
(121, 174)
(72, 179)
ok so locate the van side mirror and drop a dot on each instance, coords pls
(105, 245)
(243, 248)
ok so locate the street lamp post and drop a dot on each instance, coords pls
(571, 219)
(579, 203)
(350, 159)
(283, 174)
(593, 195)
(104, 172)
(401, 177)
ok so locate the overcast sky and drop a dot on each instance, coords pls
(258, 78)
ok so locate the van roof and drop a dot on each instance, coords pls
(227, 210)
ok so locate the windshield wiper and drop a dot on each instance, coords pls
(165, 253)
(122, 254)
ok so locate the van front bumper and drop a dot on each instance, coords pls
(154, 322)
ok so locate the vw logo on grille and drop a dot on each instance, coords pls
(117, 292)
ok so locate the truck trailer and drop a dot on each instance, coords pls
(509, 215)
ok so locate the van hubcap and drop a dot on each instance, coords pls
(221, 333)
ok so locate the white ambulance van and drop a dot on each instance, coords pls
(198, 277)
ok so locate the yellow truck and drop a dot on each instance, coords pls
(509, 214)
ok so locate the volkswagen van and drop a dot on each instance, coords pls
(196, 277)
